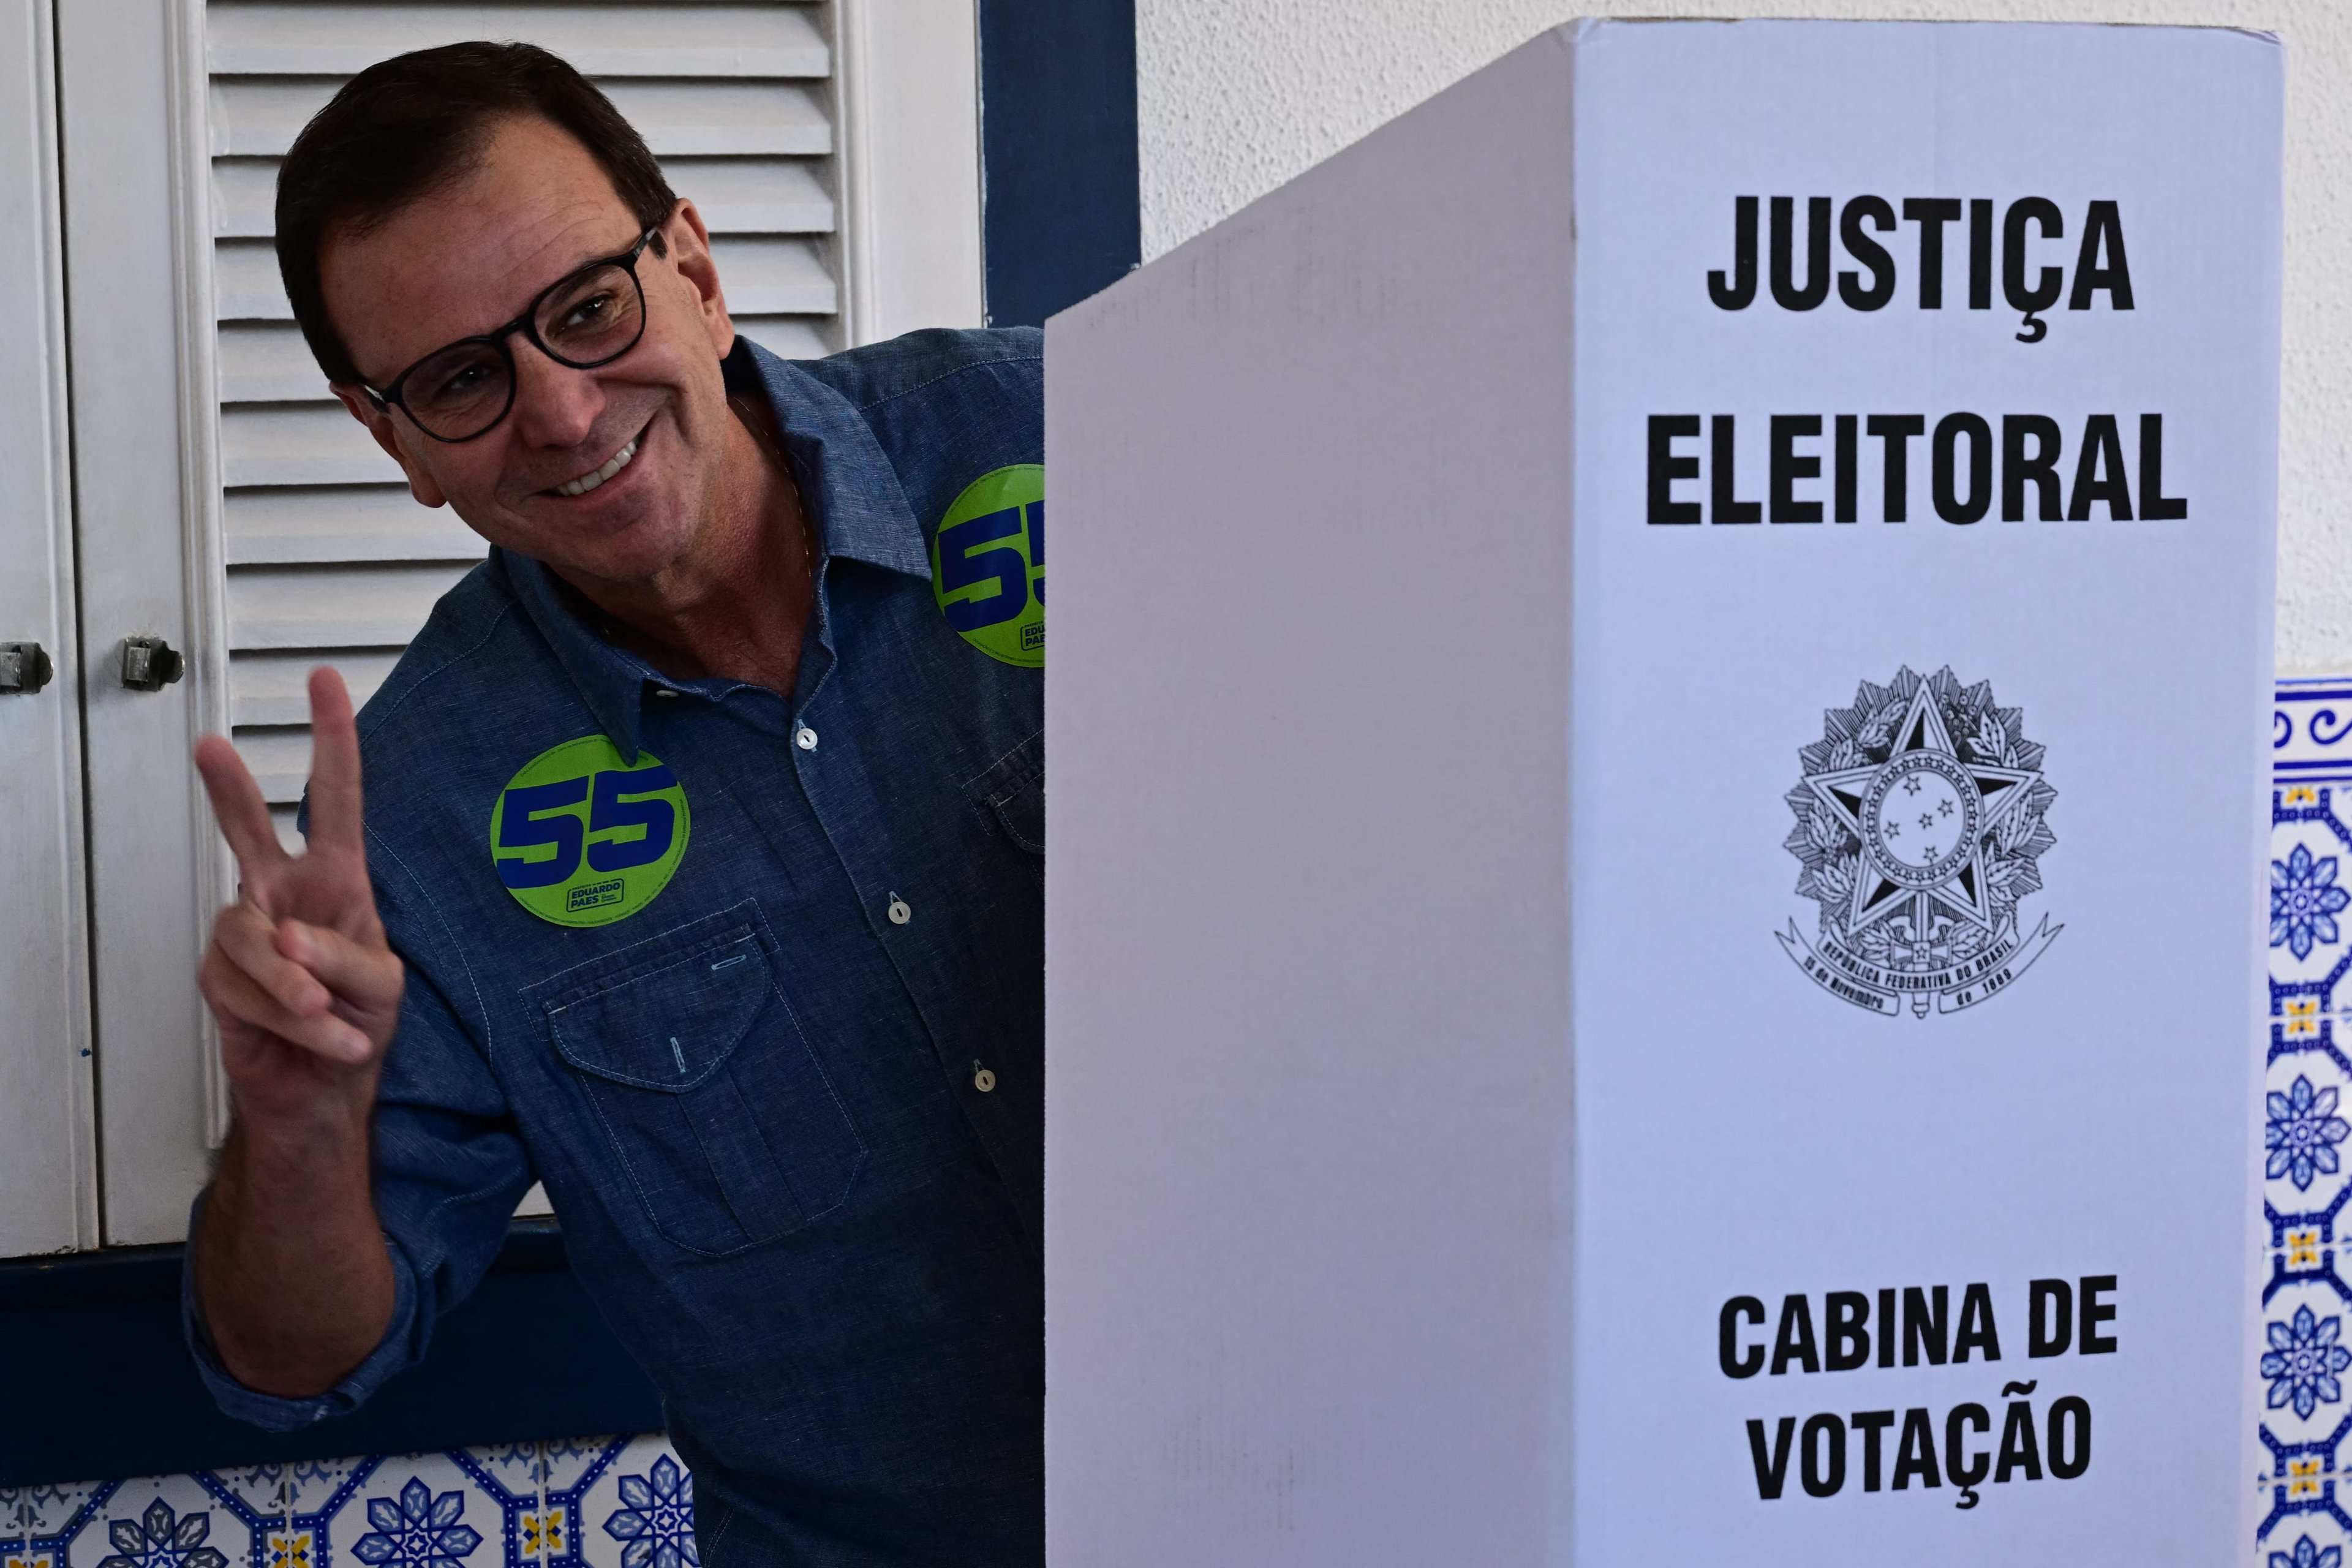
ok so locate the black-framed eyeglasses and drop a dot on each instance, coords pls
(588, 318)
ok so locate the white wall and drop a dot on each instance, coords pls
(1237, 96)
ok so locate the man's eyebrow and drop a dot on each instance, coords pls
(588, 258)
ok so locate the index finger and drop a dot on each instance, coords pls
(335, 813)
(237, 807)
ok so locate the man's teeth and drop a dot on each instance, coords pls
(586, 482)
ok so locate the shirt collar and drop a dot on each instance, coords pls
(847, 485)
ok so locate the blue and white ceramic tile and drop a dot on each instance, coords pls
(159, 1522)
(258, 1491)
(639, 1511)
(39, 1524)
(2304, 1364)
(516, 1469)
(525, 1505)
(573, 1465)
(415, 1510)
(29, 1513)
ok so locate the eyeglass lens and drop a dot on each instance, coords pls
(589, 320)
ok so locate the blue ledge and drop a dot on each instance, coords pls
(1062, 216)
(97, 1381)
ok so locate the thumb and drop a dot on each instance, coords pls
(364, 972)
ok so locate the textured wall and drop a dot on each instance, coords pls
(1237, 96)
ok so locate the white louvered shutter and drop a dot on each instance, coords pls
(327, 559)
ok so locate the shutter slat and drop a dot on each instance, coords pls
(735, 195)
(248, 38)
(279, 761)
(352, 606)
(774, 278)
(258, 117)
(792, 337)
(752, 195)
(681, 119)
(245, 282)
(245, 196)
(268, 364)
(274, 688)
(279, 526)
(761, 276)
(299, 443)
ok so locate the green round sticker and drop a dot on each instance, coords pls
(988, 564)
(582, 839)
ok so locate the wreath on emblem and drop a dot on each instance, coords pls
(1921, 822)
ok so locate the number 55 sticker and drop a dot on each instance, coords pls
(583, 838)
(988, 564)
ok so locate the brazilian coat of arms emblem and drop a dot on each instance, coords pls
(1921, 821)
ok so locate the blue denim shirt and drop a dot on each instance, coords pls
(790, 1111)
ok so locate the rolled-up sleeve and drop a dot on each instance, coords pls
(449, 1169)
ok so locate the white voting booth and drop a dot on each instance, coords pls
(1658, 712)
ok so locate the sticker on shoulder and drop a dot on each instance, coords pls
(988, 564)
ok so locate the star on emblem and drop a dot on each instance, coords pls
(1946, 864)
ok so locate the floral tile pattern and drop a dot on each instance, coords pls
(30, 1512)
(589, 1502)
(2303, 1361)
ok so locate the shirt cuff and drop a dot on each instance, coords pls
(392, 1354)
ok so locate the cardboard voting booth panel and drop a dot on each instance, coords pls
(1659, 708)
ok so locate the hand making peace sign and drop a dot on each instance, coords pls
(298, 973)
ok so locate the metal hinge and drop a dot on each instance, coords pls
(24, 666)
(149, 664)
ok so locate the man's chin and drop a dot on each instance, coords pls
(621, 542)
(630, 568)
(633, 554)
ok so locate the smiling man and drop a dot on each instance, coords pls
(700, 870)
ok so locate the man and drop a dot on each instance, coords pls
(701, 870)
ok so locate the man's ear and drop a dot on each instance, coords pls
(689, 253)
(379, 422)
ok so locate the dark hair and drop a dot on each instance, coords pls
(407, 126)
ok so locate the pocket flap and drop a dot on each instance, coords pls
(1012, 791)
(669, 1023)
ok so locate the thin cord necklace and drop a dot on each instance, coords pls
(750, 414)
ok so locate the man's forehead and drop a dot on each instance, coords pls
(464, 257)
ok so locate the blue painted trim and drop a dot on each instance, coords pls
(97, 1382)
(1061, 215)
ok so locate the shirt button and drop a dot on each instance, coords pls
(899, 913)
(982, 1079)
(804, 738)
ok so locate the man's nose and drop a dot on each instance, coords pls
(555, 405)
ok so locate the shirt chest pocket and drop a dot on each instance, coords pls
(1010, 796)
(718, 1111)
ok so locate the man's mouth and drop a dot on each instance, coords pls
(613, 465)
